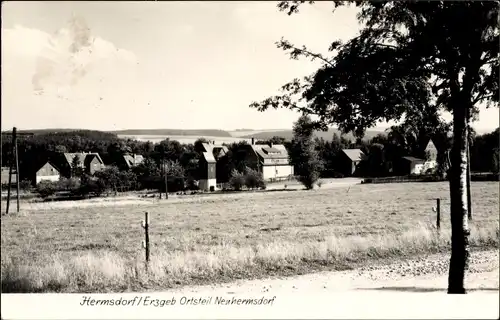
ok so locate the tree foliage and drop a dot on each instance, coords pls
(409, 61)
(302, 154)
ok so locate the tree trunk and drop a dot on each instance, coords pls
(469, 201)
(458, 196)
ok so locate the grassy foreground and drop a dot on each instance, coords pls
(199, 241)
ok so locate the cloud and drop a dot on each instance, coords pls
(62, 59)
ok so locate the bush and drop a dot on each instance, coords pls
(91, 186)
(26, 185)
(66, 184)
(308, 179)
(192, 184)
(237, 180)
(253, 179)
(46, 188)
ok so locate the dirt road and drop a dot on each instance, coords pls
(414, 289)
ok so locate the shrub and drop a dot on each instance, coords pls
(308, 178)
(237, 180)
(89, 186)
(46, 188)
(26, 185)
(192, 184)
(254, 179)
(70, 184)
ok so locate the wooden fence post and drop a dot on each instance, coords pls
(145, 225)
(438, 214)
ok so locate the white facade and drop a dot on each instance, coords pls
(422, 168)
(205, 184)
(52, 178)
(276, 171)
(417, 168)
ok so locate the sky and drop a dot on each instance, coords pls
(181, 65)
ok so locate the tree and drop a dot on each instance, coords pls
(237, 180)
(376, 160)
(254, 179)
(409, 58)
(303, 155)
(76, 166)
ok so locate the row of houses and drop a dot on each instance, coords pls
(271, 160)
(62, 165)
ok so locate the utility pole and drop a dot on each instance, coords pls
(165, 175)
(17, 169)
(12, 162)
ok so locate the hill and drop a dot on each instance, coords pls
(327, 135)
(173, 132)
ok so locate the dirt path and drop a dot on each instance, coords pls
(426, 274)
(411, 289)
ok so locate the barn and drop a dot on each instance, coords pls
(48, 172)
(350, 160)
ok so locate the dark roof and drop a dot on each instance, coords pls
(277, 151)
(413, 159)
(354, 154)
(133, 160)
(85, 158)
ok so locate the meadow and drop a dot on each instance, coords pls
(200, 240)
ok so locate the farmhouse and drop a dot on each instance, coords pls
(5, 175)
(210, 154)
(89, 162)
(128, 161)
(431, 152)
(350, 160)
(412, 165)
(47, 172)
(271, 160)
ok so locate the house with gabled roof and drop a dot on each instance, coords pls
(209, 156)
(412, 165)
(47, 172)
(5, 175)
(271, 160)
(350, 160)
(88, 161)
(128, 161)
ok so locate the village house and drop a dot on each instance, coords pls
(48, 172)
(210, 154)
(5, 176)
(412, 165)
(349, 161)
(89, 162)
(128, 161)
(431, 161)
(271, 160)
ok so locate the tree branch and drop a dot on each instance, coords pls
(296, 52)
(481, 97)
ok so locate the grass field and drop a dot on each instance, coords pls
(221, 238)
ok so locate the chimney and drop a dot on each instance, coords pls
(253, 141)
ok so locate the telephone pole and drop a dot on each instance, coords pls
(12, 162)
